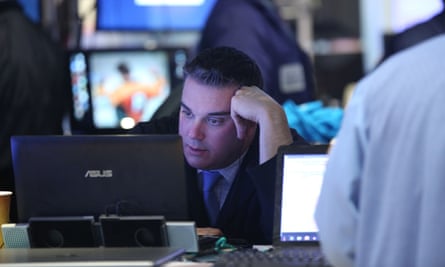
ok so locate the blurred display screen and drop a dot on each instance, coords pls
(152, 15)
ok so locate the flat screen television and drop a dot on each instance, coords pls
(152, 15)
(113, 89)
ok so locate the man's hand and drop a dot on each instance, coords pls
(250, 107)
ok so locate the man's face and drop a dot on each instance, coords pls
(208, 132)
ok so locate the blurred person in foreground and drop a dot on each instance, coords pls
(381, 203)
(34, 85)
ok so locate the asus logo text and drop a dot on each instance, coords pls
(99, 173)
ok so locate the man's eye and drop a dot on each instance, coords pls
(187, 113)
(215, 121)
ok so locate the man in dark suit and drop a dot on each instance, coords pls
(229, 125)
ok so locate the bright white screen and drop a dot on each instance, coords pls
(302, 179)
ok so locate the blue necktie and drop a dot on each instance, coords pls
(209, 180)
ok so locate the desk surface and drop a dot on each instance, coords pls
(187, 264)
(99, 256)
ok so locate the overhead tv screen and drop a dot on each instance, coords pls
(152, 15)
(117, 88)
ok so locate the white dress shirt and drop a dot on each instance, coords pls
(383, 198)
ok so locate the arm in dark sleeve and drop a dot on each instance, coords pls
(264, 179)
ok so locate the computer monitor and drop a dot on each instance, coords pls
(94, 175)
(114, 89)
(152, 15)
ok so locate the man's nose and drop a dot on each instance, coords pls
(196, 130)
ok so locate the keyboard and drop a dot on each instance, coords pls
(276, 257)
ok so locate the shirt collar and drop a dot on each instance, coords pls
(230, 171)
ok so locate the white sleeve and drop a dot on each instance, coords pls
(336, 213)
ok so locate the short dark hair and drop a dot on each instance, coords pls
(224, 66)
